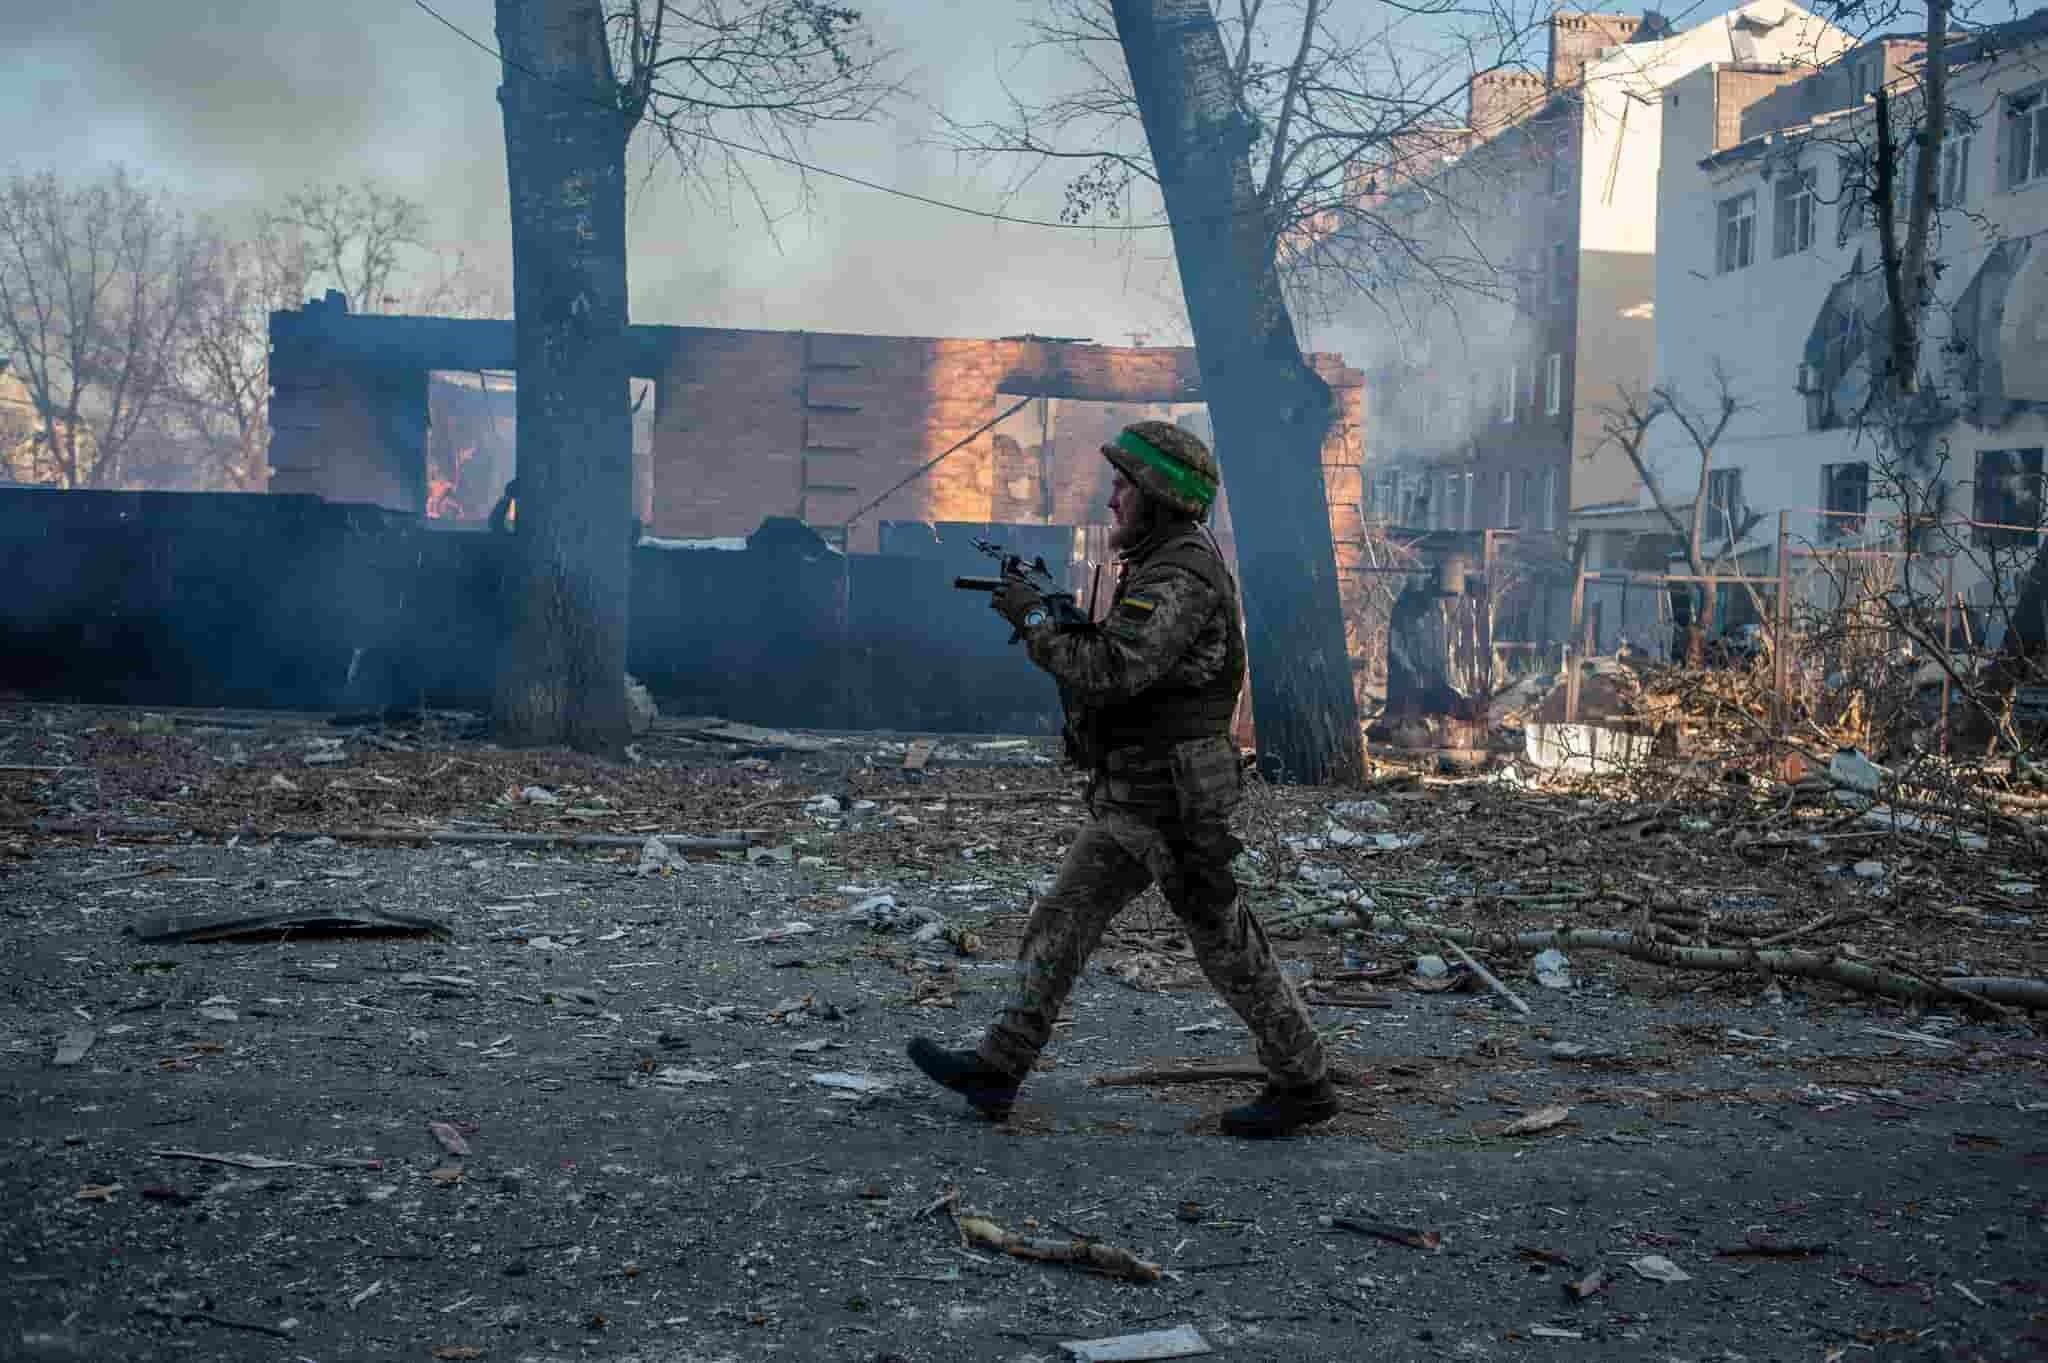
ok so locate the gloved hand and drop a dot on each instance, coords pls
(1015, 601)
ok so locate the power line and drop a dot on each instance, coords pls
(826, 171)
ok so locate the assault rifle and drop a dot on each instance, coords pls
(1059, 603)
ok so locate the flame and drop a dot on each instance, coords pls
(444, 501)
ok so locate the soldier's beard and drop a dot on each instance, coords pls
(1134, 527)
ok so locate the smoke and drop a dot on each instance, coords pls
(234, 103)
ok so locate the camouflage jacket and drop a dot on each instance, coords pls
(1164, 629)
(1134, 686)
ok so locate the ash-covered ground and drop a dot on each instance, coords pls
(630, 1107)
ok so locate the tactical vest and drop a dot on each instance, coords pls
(1161, 716)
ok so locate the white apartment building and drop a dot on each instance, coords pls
(1486, 409)
(1768, 273)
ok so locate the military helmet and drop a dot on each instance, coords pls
(1167, 464)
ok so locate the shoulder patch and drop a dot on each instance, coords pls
(1142, 604)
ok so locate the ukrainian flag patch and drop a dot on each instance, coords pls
(1139, 603)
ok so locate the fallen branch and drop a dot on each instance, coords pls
(1832, 920)
(178, 1313)
(1428, 1241)
(1207, 1072)
(1492, 982)
(1853, 975)
(460, 837)
(1089, 1254)
(927, 797)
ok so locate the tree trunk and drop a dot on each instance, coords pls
(1269, 409)
(561, 672)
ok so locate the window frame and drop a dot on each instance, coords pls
(1833, 479)
(1560, 271)
(1736, 213)
(2024, 110)
(1510, 393)
(1989, 524)
(1723, 507)
(1553, 384)
(1793, 234)
(1954, 180)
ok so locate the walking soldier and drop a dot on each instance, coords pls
(1150, 693)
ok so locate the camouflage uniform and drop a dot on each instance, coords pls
(1158, 812)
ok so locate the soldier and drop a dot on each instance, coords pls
(1150, 693)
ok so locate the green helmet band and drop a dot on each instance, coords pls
(1187, 482)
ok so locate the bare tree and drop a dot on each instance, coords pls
(224, 374)
(1338, 106)
(96, 287)
(355, 236)
(579, 76)
(1270, 410)
(1626, 426)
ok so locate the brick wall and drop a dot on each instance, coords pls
(1575, 39)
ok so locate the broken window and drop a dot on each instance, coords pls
(1539, 489)
(1955, 169)
(1845, 496)
(1852, 195)
(1792, 219)
(1737, 232)
(2026, 137)
(2007, 506)
(1724, 506)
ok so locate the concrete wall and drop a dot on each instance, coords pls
(1753, 324)
(1620, 224)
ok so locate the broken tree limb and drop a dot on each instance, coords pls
(979, 1231)
(927, 796)
(1853, 975)
(1246, 1069)
(1832, 920)
(193, 1314)
(1492, 981)
(460, 837)
(1412, 1237)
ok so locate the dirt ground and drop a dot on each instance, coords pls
(656, 1109)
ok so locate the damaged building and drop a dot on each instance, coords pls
(804, 501)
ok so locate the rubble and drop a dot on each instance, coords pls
(602, 1041)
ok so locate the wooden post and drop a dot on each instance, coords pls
(1573, 655)
(1781, 641)
(1948, 652)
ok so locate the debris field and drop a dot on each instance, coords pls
(337, 1042)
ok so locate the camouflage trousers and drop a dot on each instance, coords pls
(1119, 852)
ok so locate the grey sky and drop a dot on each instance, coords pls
(234, 102)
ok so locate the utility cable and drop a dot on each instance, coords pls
(934, 462)
(796, 162)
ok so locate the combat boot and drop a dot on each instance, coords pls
(1281, 1110)
(987, 1089)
